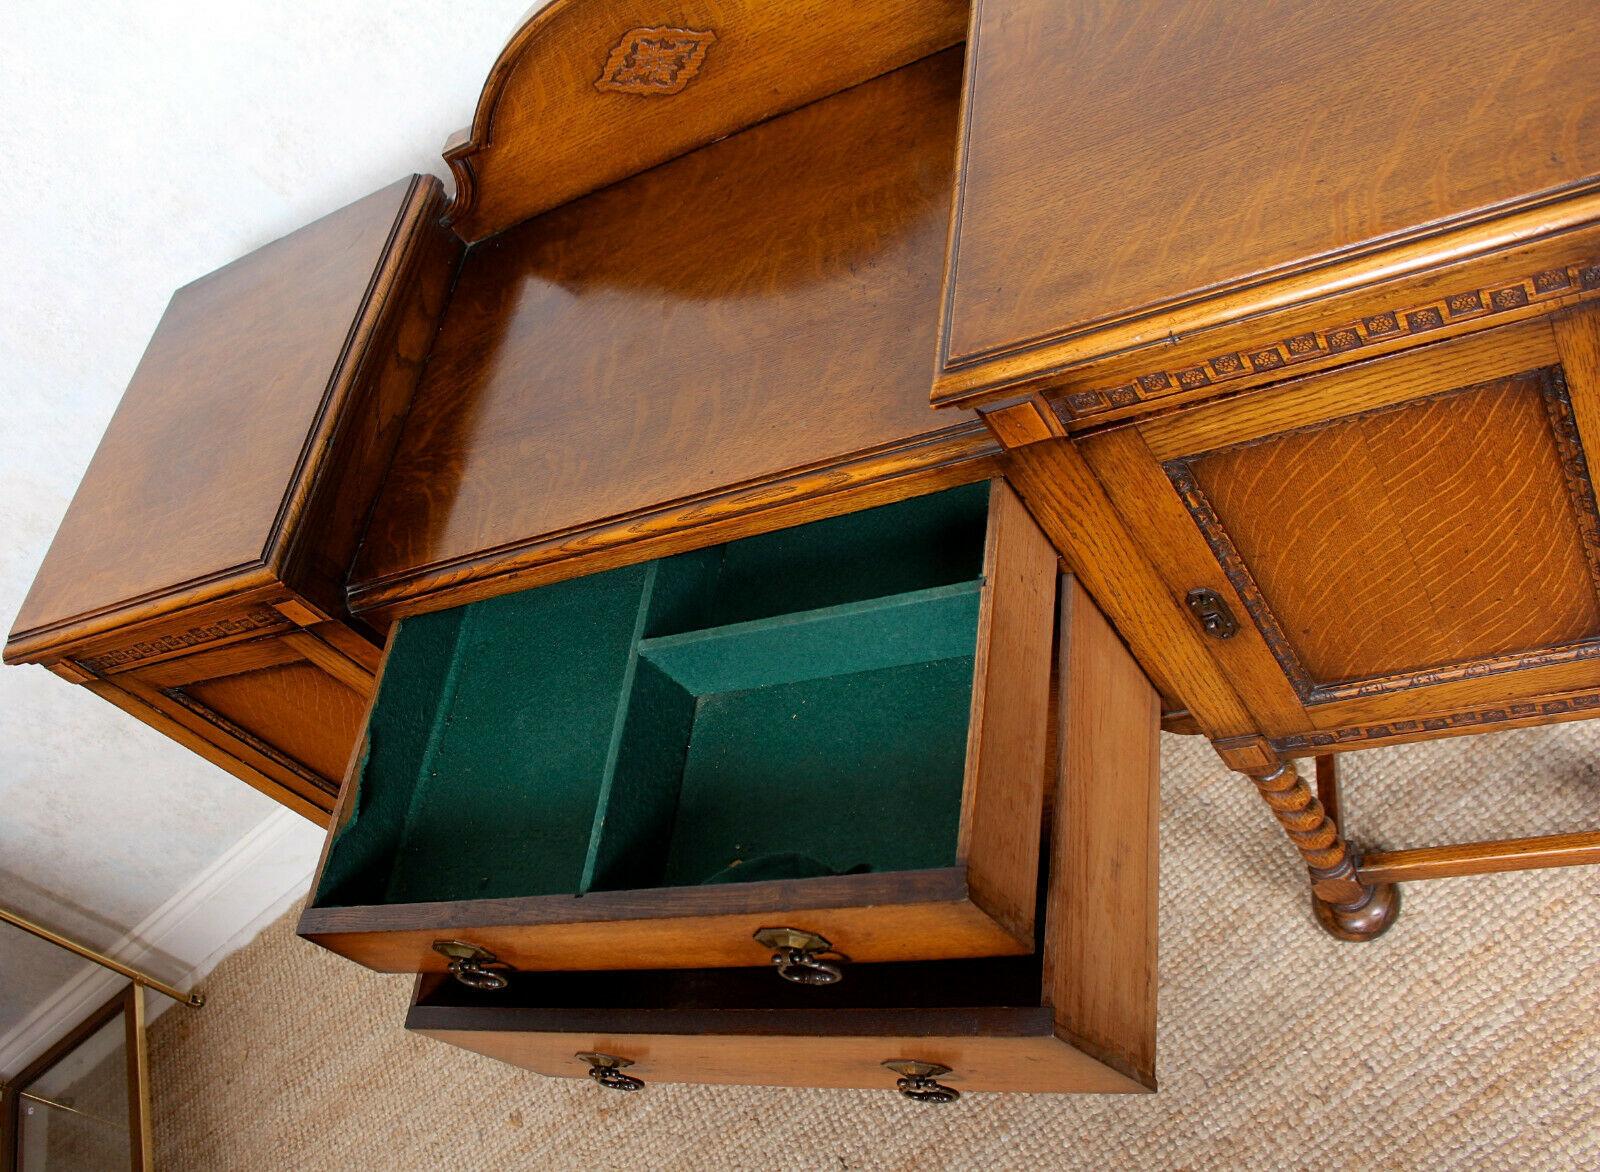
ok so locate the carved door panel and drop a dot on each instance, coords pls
(282, 712)
(1408, 546)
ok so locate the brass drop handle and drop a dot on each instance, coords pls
(606, 1069)
(797, 955)
(473, 965)
(918, 1081)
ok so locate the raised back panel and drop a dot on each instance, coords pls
(756, 307)
(1404, 545)
(588, 92)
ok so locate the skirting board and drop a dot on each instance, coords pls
(251, 884)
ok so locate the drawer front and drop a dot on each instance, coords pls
(839, 729)
(1026, 1062)
(1407, 547)
(896, 916)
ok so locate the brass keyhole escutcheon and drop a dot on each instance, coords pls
(918, 1081)
(474, 966)
(1216, 619)
(797, 955)
(606, 1069)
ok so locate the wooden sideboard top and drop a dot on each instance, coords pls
(1199, 154)
(757, 308)
(229, 421)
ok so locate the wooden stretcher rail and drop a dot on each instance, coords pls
(1481, 858)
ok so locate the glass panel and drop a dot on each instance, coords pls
(74, 1116)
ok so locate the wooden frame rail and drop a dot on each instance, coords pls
(1480, 858)
(1466, 858)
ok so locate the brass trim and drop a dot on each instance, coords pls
(74, 1110)
(194, 999)
(474, 966)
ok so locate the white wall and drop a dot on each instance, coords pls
(148, 144)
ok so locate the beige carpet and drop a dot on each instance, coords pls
(1468, 1037)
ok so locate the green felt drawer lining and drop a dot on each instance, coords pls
(917, 627)
(651, 725)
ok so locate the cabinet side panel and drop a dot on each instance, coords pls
(296, 707)
(1444, 531)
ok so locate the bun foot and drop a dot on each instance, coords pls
(1366, 920)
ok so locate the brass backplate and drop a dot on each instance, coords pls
(795, 938)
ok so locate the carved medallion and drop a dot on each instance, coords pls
(658, 61)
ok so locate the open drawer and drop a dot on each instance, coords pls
(837, 729)
(1076, 1016)
(983, 1021)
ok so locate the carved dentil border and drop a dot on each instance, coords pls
(261, 618)
(1586, 704)
(1547, 284)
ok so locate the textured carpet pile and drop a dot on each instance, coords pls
(1468, 1037)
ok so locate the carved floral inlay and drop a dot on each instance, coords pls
(657, 61)
(1547, 285)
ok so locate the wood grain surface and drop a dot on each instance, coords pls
(919, 915)
(1531, 264)
(589, 92)
(1363, 386)
(1434, 533)
(1192, 152)
(296, 707)
(1155, 515)
(227, 423)
(756, 308)
(1072, 508)
(1002, 800)
(962, 454)
(1100, 929)
(1481, 858)
(977, 1063)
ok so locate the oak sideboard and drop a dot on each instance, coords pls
(720, 571)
